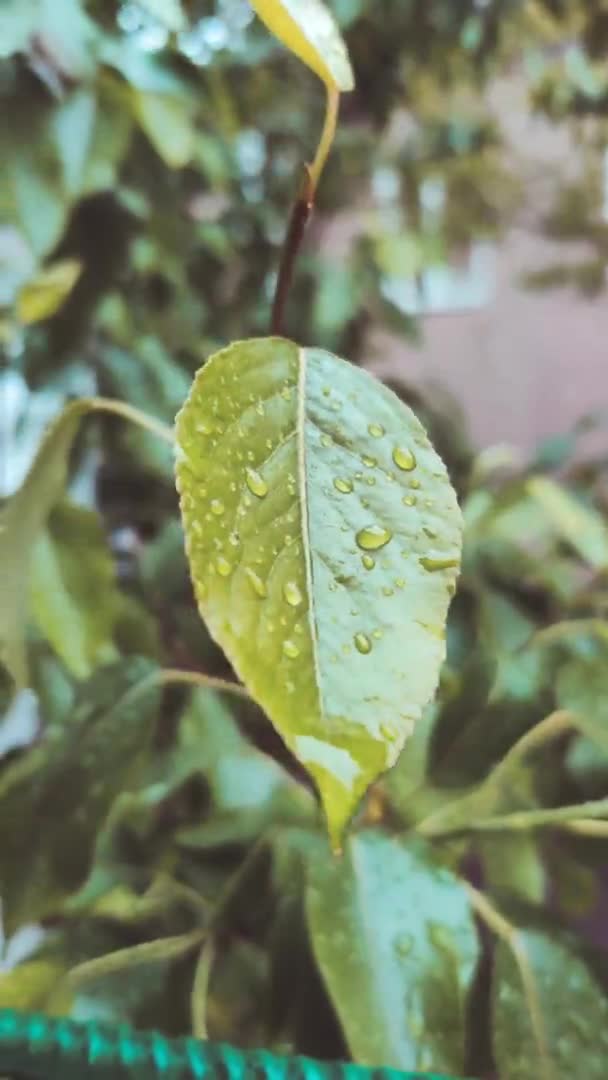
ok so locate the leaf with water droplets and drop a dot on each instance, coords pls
(396, 944)
(329, 596)
(309, 30)
(556, 1024)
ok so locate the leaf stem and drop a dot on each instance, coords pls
(200, 989)
(202, 682)
(129, 412)
(512, 939)
(302, 210)
(146, 953)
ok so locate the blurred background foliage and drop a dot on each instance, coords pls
(150, 153)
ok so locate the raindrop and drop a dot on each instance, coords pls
(369, 462)
(204, 426)
(269, 444)
(326, 391)
(292, 594)
(256, 582)
(378, 635)
(387, 591)
(400, 583)
(371, 480)
(256, 483)
(368, 562)
(404, 459)
(363, 644)
(326, 440)
(217, 507)
(290, 649)
(373, 538)
(410, 500)
(346, 649)
(415, 485)
(260, 409)
(358, 476)
(433, 565)
(376, 431)
(343, 486)
(432, 535)
(234, 539)
(224, 568)
(286, 393)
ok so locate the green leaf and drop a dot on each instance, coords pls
(397, 947)
(559, 1027)
(54, 800)
(582, 688)
(309, 30)
(73, 596)
(581, 526)
(324, 541)
(167, 123)
(45, 293)
(21, 522)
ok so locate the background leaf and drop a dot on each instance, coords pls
(396, 944)
(572, 1010)
(323, 534)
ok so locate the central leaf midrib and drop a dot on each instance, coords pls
(303, 488)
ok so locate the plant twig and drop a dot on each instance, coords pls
(129, 412)
(512, 939)
(200, 989)
(202, 682)
(302, 210)
(145, 953)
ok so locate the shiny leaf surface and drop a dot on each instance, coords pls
(309, 30)
(396, 944)
(324, 541)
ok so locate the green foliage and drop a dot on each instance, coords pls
(151, 152)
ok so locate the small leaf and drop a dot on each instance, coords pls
(582, 688)
(324, 541)
(29, 986)
(54, 800)
(580, 525)
(21, 521)
(73, 596)
(559, 1027)
(397, 947)
(168, 125)
(309, 30)
(44, 294)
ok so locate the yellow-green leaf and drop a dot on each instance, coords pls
(324, 542)
(310, 31)
(579, 525)
(45, 293)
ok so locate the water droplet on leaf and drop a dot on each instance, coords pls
(376, 431)
(224, 568)
(256, 582)
(256, 483)
(432, 565)
(369, 462)
(343, 486)
(217, 507)
(404, 459)
(363, 644)
(368, 562)
(292, 594)
(290, 649)
(373, 538)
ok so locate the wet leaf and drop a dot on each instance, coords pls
(309, 30)
(396, 944)
(53, 801)
(45, 293)
(73, 596)
(31, 986)
(568, 1004)
(324, 541)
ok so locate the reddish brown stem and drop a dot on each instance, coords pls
(300, 216)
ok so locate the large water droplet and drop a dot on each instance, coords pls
(290, 649)
(217, 507)
(343, 486)
(257, 584)
(368, 562)
(363, 644)
(224, 568)
(433, 565)
(376, 431)
(404, 459)
(256, 483)
(373, 538)
(292, 593)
